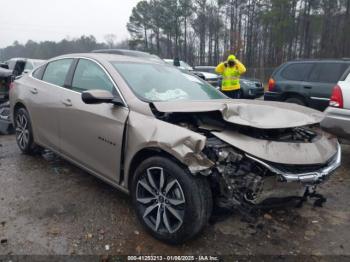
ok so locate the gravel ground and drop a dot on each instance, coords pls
(48, 206)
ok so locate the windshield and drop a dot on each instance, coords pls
(154, 82)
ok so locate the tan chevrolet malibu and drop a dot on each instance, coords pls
(173, 142)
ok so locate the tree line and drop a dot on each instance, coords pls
(263, 33)
(49, 49)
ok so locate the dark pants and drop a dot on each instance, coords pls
(234, 94)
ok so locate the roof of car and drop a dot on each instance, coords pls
(25, 59)
(110, 57)
(321, 60)
(121, 52)
(127, 52)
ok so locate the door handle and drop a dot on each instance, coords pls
(67, 102)
(308, 87)
(34, 91)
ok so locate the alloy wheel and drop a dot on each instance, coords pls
(161, 199)
(22, 130)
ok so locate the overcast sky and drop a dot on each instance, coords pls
(41, 20)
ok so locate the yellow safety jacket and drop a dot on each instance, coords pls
(230, 75)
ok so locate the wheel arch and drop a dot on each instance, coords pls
(295, 95)
(16, 107)
(144, 154)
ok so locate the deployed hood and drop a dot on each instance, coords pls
(253, 113)
(318, 152)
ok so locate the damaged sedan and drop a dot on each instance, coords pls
(173, 142)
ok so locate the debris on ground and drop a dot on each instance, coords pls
(267, 216)
(3, 241)
(54, 231)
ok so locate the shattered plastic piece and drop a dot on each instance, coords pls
(267, 216)
(107, 247)
(3, 241)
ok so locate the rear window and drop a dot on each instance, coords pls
(56, 71)
(297, 72)
(327, 72)
(38, 73)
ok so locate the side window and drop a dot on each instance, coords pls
(297, 71)
(88, 75)
(327, 72)
(38, 73)
(56, 71)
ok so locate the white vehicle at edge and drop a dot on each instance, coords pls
(337, 115)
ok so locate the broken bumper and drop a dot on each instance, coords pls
(310, 178)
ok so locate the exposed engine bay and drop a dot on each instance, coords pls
(244, 176)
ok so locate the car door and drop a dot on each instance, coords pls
(92, 135)
(293, 79)
(44, 101)
(321, 81)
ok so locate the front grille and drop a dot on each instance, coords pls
(300, 169)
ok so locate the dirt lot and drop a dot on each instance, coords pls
(48, 206)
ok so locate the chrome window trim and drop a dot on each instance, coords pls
(319, 98)
(308, 177)
(79, 57)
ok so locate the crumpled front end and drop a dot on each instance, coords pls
(258, 158)
(240, 179)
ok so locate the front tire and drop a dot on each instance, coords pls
(172, 204)
(24, 132)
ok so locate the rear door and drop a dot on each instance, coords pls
(92, 135)
(323, 77)
(293, 79)
(44, 101)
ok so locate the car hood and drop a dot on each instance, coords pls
(253, 113)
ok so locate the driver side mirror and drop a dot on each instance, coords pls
(99, 97)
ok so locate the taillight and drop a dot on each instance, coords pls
(272, 84)
(337, 97)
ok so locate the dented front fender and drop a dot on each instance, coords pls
(148, 132)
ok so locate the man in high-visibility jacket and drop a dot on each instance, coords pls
(231, 70)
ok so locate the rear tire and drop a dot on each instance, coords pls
(24, 132)
(172, 204)
(295, 100)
